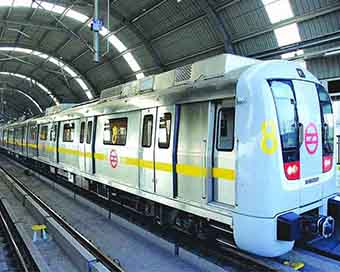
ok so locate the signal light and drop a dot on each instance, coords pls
(292, 170)
(327, 163)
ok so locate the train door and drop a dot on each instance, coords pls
(163, 151)
(224, 154)
(53, 142)
(146, 150)
(21, 139)
(194, 136)
(25, 140)
(308, 108)
(85, 145)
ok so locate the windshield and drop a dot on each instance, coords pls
(285, 107)
(327, 120)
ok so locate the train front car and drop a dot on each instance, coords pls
(286, 186)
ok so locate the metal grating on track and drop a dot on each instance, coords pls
(183, 73)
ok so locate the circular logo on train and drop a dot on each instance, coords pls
(311, 138)
(113, 158)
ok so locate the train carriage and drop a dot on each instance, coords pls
(245, 144)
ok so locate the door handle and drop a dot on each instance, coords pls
(301, 134)
(204, 169)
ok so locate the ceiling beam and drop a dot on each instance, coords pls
(323, 39)
(216, 21)
(297, 19)
(139, 34)
(225, 37)
(24, 93)
(31, 25)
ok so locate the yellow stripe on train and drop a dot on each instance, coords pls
(181, 169)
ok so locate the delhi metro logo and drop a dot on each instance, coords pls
(311, 138)
(113, 158)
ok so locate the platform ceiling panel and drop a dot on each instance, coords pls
(158, 34)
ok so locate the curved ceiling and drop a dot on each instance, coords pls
(50, 43)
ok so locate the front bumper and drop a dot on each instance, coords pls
(292, 226)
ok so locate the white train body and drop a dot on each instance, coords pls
(245, 143)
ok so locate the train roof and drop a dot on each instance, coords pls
(212, 78)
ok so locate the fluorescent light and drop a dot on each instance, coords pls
(287, 34)
(278, 10)
(48, 7)
(22, 50)
(82, 84)
(117, 43)
(332, 53)
(104, 31)
(55, 61)
(80, 17)
(19, 75)
(6, 48)
(140, 75)
(70, 71)
(31, 99)
(41, 86)
(40, 55)
(89, 94)
(6, 3)
(22, 3)
(77, 16)
(132, 62)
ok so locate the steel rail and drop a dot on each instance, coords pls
(4, 221)
(99, 255)
(228, 252)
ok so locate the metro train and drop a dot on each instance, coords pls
(228, 143)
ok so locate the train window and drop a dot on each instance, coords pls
(338, 144)
(82, 132)
(147, 130)
(286, 110)
(327, 120)
(68, 132)
(33, 133)
(115, 131)
(89, 132)
(225, 129)
(164, 130)
(53, 133)
(43, 133)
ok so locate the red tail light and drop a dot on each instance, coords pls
(327, 163)
(292, 170)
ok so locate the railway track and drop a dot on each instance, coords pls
(220, 251)
(327, 248)
(14, 254)
(88, 245)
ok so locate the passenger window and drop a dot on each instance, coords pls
(53, 133)
(33, 133)
(147, 130)
(164, 130)
(115, 131)
(89, 132)
(225, 133)
(43, 133)
(68, 132)
(82, 132)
